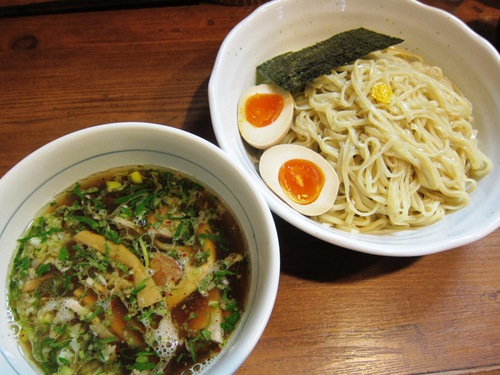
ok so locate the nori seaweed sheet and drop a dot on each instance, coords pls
(294, 69)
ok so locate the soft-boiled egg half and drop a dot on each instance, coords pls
(300, 177)
(265, 115)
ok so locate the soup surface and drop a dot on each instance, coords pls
(134, 270)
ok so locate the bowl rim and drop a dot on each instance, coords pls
(265, 241)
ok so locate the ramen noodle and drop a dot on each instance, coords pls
(400, 136)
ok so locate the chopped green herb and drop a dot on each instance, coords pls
(63, 253)
(88, 221)
(142, 362)
(43, 269)
(96, 312)
(229, 324)
(144, 249)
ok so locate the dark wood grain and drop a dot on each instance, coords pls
(337, 311)
(35, 8)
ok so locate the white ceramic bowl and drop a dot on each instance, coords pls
(443, 40)
(32, 183)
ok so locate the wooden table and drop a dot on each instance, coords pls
(337, 311)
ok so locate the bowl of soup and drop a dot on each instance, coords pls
(133, 247)
(398, 98)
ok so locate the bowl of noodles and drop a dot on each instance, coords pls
(410, 129)
(133, 248)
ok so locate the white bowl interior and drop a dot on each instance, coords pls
(35, 180)
(443, 40)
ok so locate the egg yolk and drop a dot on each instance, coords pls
(301, 180)
(381, 93)
(263, 109)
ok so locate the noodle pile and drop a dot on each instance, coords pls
(402, 163)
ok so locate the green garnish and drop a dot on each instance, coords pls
(43, 269)
(229, 324)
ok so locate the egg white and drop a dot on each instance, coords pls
(273, 158)
(273, 133)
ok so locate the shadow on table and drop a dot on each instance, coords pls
(198, 120)
(307, 257)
